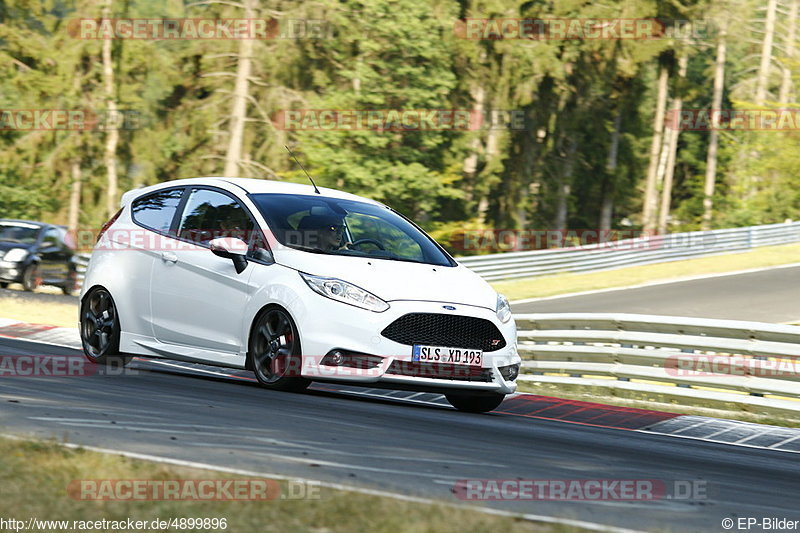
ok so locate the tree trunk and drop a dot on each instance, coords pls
(564, 187)
(239, 108)
(564, 190)
(674, 132)
(470, 166)
(713, 141)
(112, 132)
(491, 153)
(73, 215)
(762, 81)
(607, 203)
(661, 170)
(785, 95)
(651, 192)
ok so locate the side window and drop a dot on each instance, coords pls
(52, 239)
(155, 211)
(210, 214)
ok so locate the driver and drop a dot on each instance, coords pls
(324, 231)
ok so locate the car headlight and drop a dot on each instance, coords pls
(15, 255)
(503, 308)
(342, 291)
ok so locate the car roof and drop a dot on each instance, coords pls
(249, 186)
(31, 222)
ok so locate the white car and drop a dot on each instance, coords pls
(297, 284)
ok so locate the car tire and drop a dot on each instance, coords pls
(475, 404)
(71, 286)
(274, 353)
(30, 277)
(3, 284)
(100, 329)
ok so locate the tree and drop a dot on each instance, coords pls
(112, 135)
(238, 114)
(650, 203)
(766, 54)
(716, 107)
(672, 144)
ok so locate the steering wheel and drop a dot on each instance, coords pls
(359, 242)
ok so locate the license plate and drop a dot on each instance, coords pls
(441, 354)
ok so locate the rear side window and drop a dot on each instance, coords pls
(156, 211)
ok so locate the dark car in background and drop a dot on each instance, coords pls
(34, 254)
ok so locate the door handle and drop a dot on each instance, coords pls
(169, 257)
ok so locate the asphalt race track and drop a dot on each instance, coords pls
(409, 448)
(765, 296)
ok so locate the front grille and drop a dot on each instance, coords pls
(452, 331)
(440, 371)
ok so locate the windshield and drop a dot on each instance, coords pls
(19, 232)
(346, 227)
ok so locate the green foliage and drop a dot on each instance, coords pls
(384, 55)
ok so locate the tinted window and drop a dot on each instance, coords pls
(19, 232)
(52, 238)
(346, 227)
(392, 238)
(155, 211)
(211, 214)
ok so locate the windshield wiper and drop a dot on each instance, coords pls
(403, 259)
(388, 257)
(311, 249)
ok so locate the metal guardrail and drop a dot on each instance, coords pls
(614, 254)
(678, 355)
(629, 252)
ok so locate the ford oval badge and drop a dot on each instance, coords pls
(449, 307)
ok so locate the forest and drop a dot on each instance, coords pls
(466, 116)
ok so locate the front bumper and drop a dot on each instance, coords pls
(326, 325)
(11, 272)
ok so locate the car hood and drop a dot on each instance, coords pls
(397, 280)
(8, 245)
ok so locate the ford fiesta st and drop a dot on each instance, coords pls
(297, 284)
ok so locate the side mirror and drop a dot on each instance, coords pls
(231, 248)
